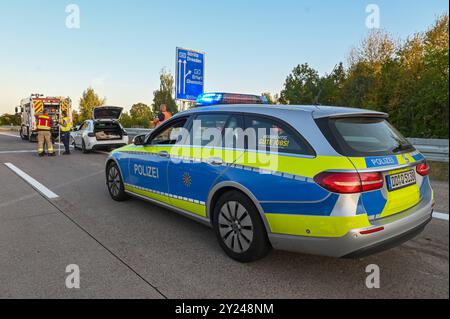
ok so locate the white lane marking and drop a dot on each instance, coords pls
(10, 135)
(440, 216)
(34, 183)
(14, 152)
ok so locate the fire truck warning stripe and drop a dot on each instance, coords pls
(32, 182)
(38, 106)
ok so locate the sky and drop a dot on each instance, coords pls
(121, 46)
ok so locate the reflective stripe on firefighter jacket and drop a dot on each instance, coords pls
(44, 123)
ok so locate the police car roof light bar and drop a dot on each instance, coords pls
(208, 99)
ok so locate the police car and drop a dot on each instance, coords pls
(330, 181)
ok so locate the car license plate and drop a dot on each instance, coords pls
(401, 180)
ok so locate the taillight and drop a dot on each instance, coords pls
(350, 183)
(423, 169)
(371, 181)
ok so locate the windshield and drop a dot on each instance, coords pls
(365, 137)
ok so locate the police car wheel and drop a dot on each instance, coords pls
(115, 184)
(239, 228)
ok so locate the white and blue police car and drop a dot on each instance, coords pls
(330, 181)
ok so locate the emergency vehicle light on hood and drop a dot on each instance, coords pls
(208, 99)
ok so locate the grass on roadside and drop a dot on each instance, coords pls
(439, 171)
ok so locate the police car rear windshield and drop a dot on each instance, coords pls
(360, 137)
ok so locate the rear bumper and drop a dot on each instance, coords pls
(389, 243)
(397, 230)
(107, 146)
(93, 144)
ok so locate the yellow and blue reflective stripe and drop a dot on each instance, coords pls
(322, 208)
(305, 167)
(284, 186)
(315, 226)
(187, 204)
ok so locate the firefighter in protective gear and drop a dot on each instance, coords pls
(44, 127)
(65, 126)
(163, 115)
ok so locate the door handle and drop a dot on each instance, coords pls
(163, 154)
(215, 161)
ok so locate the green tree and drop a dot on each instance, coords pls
(301, 86)
(8, 119)
(330, 87)
(126, 120)
(88, 102)
(76, 118)
(407, 79)
(164, 95)
(367, 62)
(141, 115)
(431, 94)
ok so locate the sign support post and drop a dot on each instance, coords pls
(59, 130)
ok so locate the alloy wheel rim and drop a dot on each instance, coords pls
(236, 227)
(114, 181)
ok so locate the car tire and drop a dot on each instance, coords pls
(23, 136)
(32, 138)
(76, 146)
(239, 228)
(115, 184)
(83, 147)
(72, 142)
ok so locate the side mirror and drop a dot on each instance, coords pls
(17, 110)
(139, 139)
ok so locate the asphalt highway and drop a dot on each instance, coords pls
(137, 250)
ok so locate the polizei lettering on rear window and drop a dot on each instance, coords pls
(146, 171)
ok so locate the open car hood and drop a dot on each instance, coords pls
(107, 113)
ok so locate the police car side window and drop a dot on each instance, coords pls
(208, 129)
(234, 133)
(170, 135)
(274, 136)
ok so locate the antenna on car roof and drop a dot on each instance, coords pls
(316, 101)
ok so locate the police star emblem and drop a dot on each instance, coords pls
(187, 180)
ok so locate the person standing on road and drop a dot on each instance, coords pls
(65, 126)
(163, 115)
(44, 128)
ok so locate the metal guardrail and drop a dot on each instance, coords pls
(433, 149)
(133, 132)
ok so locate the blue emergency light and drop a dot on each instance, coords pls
(208, 99)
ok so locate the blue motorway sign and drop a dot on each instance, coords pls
(190, 74)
